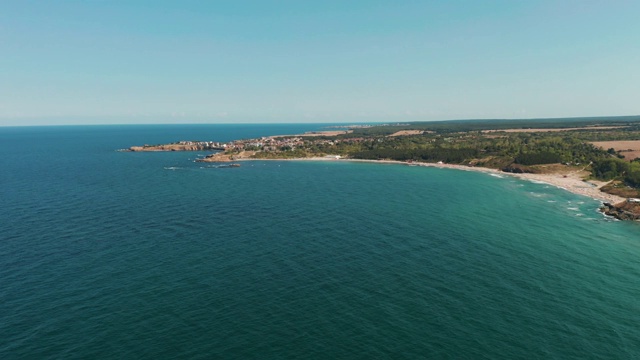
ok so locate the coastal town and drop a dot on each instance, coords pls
(267, 144)
(181, 146)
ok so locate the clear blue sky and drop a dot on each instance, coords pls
(89, 62)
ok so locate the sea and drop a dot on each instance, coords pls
(120, 255)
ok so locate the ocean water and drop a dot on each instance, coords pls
(112, 255)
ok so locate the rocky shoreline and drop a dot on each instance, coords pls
(224, 157)
(626, 210)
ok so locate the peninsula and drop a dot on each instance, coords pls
(595, 157)
(181, 146)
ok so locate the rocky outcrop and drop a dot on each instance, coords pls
(227, 157)
(517, 169)
(219, 157)
(626, 210)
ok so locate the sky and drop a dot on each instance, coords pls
(242, 61)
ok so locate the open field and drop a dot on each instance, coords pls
(410, 132)
(630, 149)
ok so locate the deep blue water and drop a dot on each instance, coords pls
(107, 254)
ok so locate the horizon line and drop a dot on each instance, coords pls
(357, 122)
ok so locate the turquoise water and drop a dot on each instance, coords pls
(107, 254)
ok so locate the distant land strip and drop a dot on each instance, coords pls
(554, 129)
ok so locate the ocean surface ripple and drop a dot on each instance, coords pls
(108, 254)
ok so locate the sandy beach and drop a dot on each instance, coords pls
(571, 181)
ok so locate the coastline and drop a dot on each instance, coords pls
(570, 181)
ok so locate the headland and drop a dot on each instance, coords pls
(180, 146)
